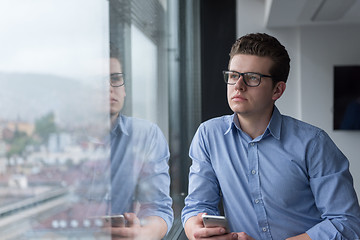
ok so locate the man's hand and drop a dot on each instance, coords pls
(195, 229)
(244, 236)
(130, 231)
(155, 228)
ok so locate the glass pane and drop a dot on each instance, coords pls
(58, 176)
(140, 181)
(54, 116)
(144, 75)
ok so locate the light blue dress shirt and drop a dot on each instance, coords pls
(290, 180)
(138, 171)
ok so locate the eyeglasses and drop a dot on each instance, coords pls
(117, 79)
(251, 79)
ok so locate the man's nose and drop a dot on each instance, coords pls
(240, 84)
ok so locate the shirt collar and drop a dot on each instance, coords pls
(274, 126)
(121, 127)
(233, 121)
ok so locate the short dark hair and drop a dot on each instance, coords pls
(264, 45)
(115, 52)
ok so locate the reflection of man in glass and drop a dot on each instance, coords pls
(117, 89)
(139, 171)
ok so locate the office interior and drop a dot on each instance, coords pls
(52, 70)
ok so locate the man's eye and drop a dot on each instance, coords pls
(252, 77)
(115, 79)
(234, 76)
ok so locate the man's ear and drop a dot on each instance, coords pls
(278, 90)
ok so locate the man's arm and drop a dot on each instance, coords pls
(303, 236)
(332, 187)
(154, 228)
(154, 179)
(204, 190)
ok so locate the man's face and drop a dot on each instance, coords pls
(117, 94)
(251, 101)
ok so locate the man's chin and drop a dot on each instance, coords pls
(114, 113)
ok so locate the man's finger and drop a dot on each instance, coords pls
(132, 219)
(208, 232)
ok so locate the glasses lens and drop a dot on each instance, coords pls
(116, 79)
(231, 77)
(252, 79)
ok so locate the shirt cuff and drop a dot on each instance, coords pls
(324, 230)
(187, 216)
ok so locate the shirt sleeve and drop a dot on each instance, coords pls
(204, 190)
(154, 180)
(332, 186)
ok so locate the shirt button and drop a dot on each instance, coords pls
(252, 144)
(264, 229)
(257, 201)
(253, 172)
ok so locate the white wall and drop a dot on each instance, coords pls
(321, 49)
(313, 52)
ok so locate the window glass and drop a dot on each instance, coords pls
(54, 116)
(57, 150)
(144, 71)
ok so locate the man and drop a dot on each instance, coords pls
(278, 177)
(138, 172)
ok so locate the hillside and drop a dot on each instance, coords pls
(29, 96)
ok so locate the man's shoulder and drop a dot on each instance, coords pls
(221, 123)
(293, 124)
(225, 119)
(138, 125)
(138, 121)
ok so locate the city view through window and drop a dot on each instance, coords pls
(54, 118)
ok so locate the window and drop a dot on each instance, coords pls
(54, 101)
(55, 104)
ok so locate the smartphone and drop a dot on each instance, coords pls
(215, 221)
(115, 220)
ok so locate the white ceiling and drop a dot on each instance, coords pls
(292, 13)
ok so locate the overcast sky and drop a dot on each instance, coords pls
(61, 37)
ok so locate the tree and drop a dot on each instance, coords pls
(45, 125)
(18, 144)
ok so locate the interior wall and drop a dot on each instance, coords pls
(313, 52)
(321, 49)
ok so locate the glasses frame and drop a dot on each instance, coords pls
(243, 74)
(117, 73)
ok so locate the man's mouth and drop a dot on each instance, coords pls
(238, 98)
